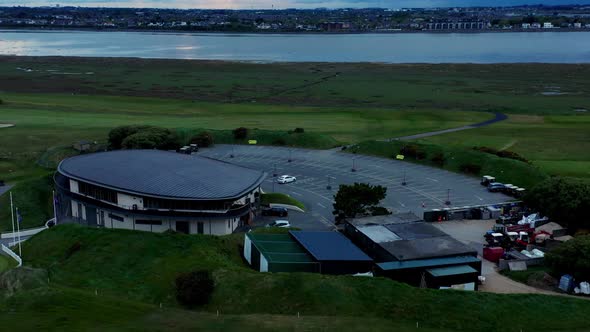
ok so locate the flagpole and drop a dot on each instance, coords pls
(20, 253)
(54, 210)
(12, 216)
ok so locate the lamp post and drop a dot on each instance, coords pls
(329, 186)
(353, 165)
(232, 151)
(404, 181)
(274, 174)
(448, 201)
(290, 160)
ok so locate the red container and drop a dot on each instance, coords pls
(493, 254)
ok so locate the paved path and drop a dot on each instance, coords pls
(497, 118)
(6, 125)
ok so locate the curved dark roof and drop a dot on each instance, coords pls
(163, 174)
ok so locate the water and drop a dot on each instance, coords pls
(555, 47)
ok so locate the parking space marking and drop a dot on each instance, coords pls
(322, 205)
(481, 199)
(432, 179)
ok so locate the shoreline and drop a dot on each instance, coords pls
(219, 32)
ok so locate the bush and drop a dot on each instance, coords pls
(152, 138)
(240, 133)
(470, 168)
(143, 137)
(279, 141)
(194, 288)
(438, 159)
(412, 151)
(502, 153)
(571, 257)
(299, 130)
(203, 140)
(379, 211)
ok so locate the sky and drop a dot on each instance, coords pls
(279, 4)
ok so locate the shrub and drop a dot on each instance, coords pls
(152, 138)
(470, 168)
(240, 133)
(279, 141)
(143, 137)
(571, 257)
(194, 288)
(299, 130)
(379, 211)
(501, 153)
(438, 159)
(412, 151)
(203, 140)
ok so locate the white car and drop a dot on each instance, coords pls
(286, 179)
(280, 224)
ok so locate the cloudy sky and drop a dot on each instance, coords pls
(236, 4)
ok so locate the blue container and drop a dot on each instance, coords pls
(566, 283)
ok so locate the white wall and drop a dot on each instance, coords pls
(127, 201)
(263, 264)
(248, 249)
(74, 186)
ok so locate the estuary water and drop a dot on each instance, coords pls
(551, 47)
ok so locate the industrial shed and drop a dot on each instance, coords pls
(300, 251)
(415, 252)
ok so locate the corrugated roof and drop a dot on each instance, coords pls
(163, 174)
(451, 270)
(329, 246)
(418, 263)
(406, 217)
(427, 248)
(280, 248)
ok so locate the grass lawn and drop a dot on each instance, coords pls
(6, 263)
(140, 267)
(279, 198)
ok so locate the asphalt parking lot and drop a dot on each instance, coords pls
(316, 169)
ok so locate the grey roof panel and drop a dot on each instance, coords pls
(427, 248)
(163, 174)
(329, 246)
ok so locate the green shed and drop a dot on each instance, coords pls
(277, 253)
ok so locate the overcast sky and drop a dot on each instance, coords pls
(247, 4)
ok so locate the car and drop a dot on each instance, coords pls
(496, 187)
(279, 224)
(286, 179)
(275, 211)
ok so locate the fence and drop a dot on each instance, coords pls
(26, 232)
(11, 253)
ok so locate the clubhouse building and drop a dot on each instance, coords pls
(156, 191)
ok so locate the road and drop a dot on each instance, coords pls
(497, 118)
(316, 169)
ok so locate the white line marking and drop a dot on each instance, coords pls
(298, 194)
(432, 179)
(402, 204)
(481, 199)
(322, 205)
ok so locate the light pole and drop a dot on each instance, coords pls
(274, 174)
(448, 201)
(232, 151)
(329, 186)
(404, 181)
(353, 165)
(290, 160)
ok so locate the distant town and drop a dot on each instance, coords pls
(522, 18)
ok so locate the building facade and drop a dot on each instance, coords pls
(156, 191)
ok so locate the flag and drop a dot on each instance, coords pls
(19, 217)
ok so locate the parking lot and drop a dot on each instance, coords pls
(426, 187)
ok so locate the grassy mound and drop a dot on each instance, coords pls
(456, 158)
(279, 198)
(33, 199)
(139, 266)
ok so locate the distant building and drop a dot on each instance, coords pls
(536, 25)
(156, 191)
(526, 25)
(578, 25)
(547, 25)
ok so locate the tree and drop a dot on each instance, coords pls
(118, 134)
(151, 138)
(194, 288)
(357, 199)
(571, 257)
(240, 133)
(563, 200)
(203, 139)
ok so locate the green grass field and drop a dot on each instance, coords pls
(279, 198)
(6, 263)
(133, 272)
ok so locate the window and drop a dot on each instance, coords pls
(97, 192)
(116, 217)
(148, 222)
